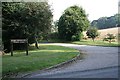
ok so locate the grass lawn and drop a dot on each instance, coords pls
(97, 43)
(37, 59)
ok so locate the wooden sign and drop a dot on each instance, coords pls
(19, 40)
(25, 41)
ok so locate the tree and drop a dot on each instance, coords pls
(92, 32)
(12, 26)
(40, 19)
(110, 37)
(25, 20)
(72, 22)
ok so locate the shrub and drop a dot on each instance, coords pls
(105, 39)
(74, 38)
(92, 33)
(81, 36)
(109, 38)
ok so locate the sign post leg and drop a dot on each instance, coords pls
(11, 49)
(26, 48)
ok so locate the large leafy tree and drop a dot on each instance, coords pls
(72, 22)
(39, 19)
(25, 20)
(12, 26)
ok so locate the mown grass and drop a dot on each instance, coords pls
(46, 56)
(97, 43)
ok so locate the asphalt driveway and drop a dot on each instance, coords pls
(98, 62)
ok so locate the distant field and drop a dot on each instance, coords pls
(104, 32)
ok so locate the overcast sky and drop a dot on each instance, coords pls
(94, 8)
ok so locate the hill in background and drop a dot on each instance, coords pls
(107, 22)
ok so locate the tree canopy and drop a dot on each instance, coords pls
(92, 32)
(107, 22)
(25, 20)
(72, 22)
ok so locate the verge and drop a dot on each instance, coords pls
(52, 67)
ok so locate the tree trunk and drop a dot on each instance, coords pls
(110, 41)
(36, 43)
(93, 39)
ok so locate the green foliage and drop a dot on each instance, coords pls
(25, 20)
(81, 36)
(55, 26)
(107, 22)
(92, 32)
(74, 38)
(72, 22)
(105, 39)
(53, 35)
(77, 37)
(110, 37)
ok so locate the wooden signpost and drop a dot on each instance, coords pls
(25, 41)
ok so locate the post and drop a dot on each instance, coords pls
(11, 49)
(27, 48)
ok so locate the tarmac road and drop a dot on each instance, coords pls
(98, 62)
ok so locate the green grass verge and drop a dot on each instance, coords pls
(97, 43)
(46, 56)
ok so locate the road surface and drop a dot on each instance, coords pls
(98, 62)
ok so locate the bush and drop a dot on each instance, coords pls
(109, 38)
(74, 38)
(105, 39)
(77, 37)
(81, 36)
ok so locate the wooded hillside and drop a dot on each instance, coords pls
(107, 22)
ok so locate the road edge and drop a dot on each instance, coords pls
(54, 66)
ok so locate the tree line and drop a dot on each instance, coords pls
(107, 22)
(21, 20)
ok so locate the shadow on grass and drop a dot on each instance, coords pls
(37, 59)
(34, 61)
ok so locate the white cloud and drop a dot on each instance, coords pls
(95, 8)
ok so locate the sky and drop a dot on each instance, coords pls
(94, 8)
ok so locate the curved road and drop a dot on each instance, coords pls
(98, 62)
